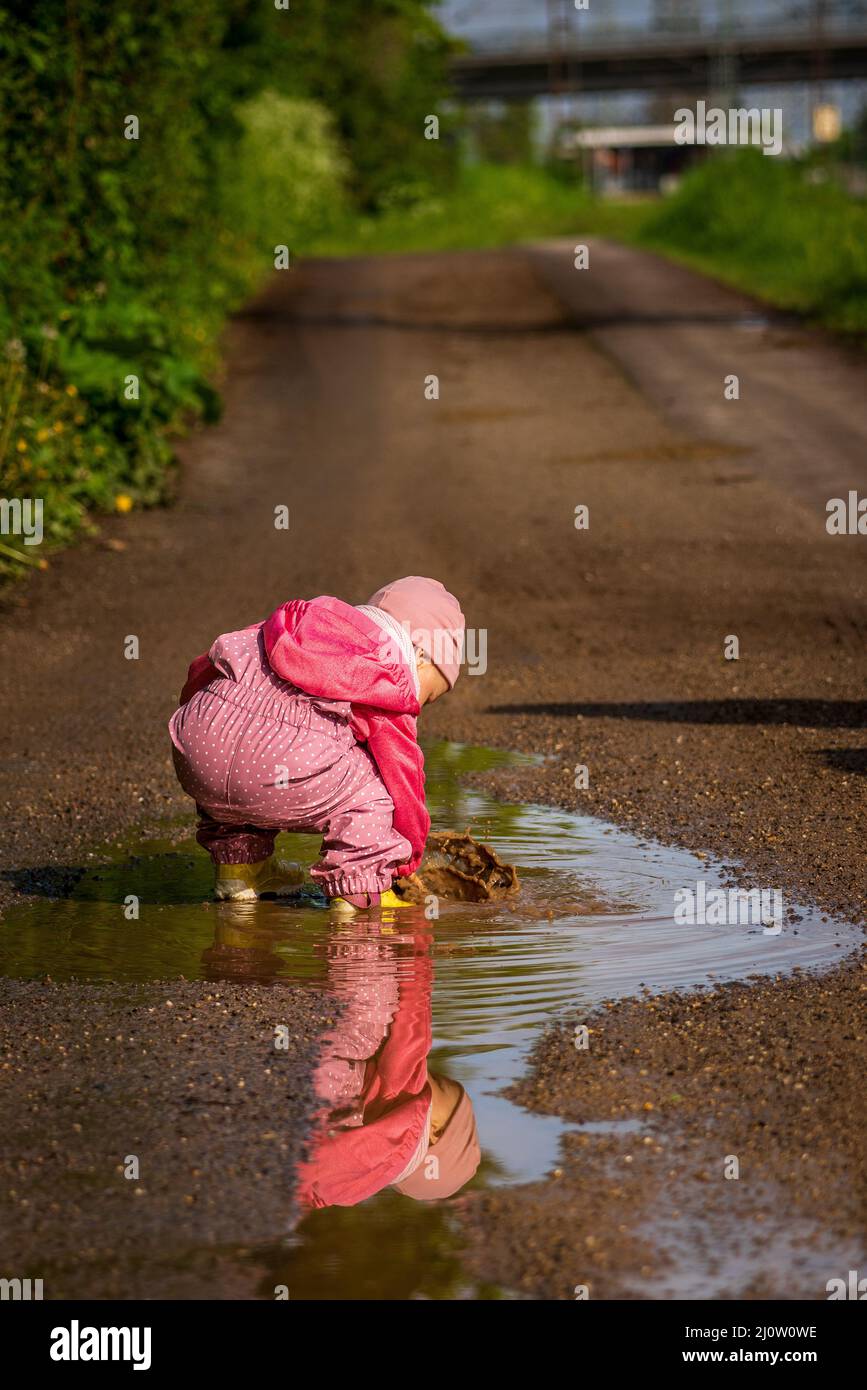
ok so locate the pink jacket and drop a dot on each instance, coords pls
(328, 649)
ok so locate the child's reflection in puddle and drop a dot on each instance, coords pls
(385, 1120)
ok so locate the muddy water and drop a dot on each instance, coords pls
(594, 920)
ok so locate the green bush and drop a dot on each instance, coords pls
(121, 257)
(488, 205)
(784, 229)
(286, 181)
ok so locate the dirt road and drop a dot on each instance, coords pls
(624, 623)
(605, 645)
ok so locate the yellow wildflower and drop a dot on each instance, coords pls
(123, 502)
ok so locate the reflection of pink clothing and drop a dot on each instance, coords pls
(364, 979)
(373, 1073)
(259, 755)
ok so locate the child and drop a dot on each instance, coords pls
(307, 722)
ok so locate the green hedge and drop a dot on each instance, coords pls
(784, 229)
(485, 206)
(121, 257)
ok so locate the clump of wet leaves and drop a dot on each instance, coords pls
(461, 868)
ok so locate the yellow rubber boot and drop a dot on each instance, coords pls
(388, 899)
(391, 899)
(246, 882)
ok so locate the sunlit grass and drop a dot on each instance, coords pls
(489, 206)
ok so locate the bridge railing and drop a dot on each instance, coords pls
(586, 30)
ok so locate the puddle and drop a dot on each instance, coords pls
(594, 921)
(721, 1256)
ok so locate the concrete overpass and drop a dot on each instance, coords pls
(646, 61)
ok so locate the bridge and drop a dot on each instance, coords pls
(821, 44)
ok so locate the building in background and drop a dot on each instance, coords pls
(629, 159)
(558, 35)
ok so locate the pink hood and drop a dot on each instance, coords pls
(327, 648)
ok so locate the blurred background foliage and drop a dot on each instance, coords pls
(304, 126)
(789, 230)
(122, 257)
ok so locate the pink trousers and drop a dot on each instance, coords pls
(259, 756)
